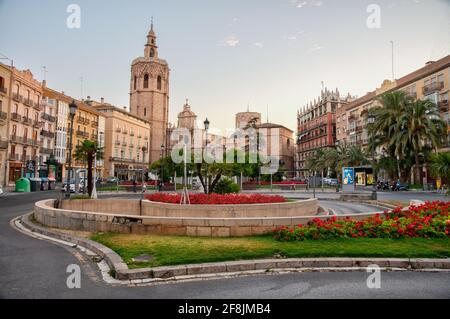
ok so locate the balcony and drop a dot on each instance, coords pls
(83, 120)
(125, 132)
(38, 124)
(433, 87)
(94, 137)
(48, 117)
(3, 117)
(146, 138)
(28, 102)
(27, 120)
(3, 144)
(3, 90)
(16, 139)
(124, 143)
(17, 97)
(131, 133)
(443, 105)
(118, 130)
(14, 157)
(44, 150)
(131, 145)
(139, 136)
(46, 133)
(94, 124)
(16, 117)
(37, 105)
(82, 134)
(43, 103)
(126, 160)
(117, 143)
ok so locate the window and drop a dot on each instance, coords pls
(146, 81)
(2, 82)
(159, 82)
(145, 111)
(135, 82)
(152, 53)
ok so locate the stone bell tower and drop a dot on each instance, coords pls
(149, 94)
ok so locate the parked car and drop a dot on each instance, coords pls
(112, 180)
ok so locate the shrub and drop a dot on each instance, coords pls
(431, 220)
(218, 199)
(226, 186)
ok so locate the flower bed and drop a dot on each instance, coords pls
(431, 220)
(275, 183)
(217, 199)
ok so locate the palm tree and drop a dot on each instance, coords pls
(88, 151)
(440, 166)
(393, 106)
(419, 126)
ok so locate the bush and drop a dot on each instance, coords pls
(226, 186)
(75, 197)
(431, 220)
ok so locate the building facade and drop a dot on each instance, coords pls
(5, 102)
(25, 127)
(149, 94)
(316, 126)
(126, 143)
(430, 82)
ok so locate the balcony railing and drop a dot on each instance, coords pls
(27, 120)
(83, 120)
(82, 134)
(126, 160)
(94, 137)
(443, 105)
(94, 123)
(118, 130)
(48, 117)
(14, 157)
(37, 105)
(16, 117)
(433, 87)
(38, 124)
(17, 97)
(117, 142)
(45, 150)
(3, 144)
(124, 143)
(3, 117)
(28, 102)
(131, 133)
(47, 134)
(125, 132)
(43, 103)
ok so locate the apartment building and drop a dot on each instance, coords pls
(25, 126)
(5, 100)
(316, 126)
(126, 142)
(430, 82)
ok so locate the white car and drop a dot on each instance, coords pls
(1, 190)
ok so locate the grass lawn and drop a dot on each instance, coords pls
(173, 250)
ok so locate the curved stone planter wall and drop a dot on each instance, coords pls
(131, 216)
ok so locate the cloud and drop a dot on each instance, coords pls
(259, 45)
(316, 48)
(307, 3)
(230, 41)
(233, 22)
(294, 36)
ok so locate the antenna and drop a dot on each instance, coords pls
(393, 77)
(267, 113)
(81, 87)
(44, 69)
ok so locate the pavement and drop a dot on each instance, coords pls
(34, 268)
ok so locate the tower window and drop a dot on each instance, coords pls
(135, 82)
(145, 111)
(152, 53)
(159, 82)
(146, 81)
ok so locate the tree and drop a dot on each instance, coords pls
(440, 166)
(419, 126)
(88, 151)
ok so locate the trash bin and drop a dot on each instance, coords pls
(35, 184)
(22, 185)
(51, 183)
(44, 183)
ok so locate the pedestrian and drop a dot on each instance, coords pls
(134, 186)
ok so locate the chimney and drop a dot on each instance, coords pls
(102, 100)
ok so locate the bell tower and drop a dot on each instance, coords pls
(149, 94)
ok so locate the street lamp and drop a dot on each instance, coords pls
(94, 190)
(371, 121)
(72, 111)
(162, 164)
(206, 123)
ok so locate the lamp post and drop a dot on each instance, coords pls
(371, 121)
(94, 190)
(337, 170)
(72, 111)
(162, 164)
(206, 123)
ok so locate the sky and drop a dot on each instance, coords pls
(226, 55)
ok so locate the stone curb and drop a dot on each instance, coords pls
(122, 272)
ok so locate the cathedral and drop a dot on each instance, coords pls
(149, 94)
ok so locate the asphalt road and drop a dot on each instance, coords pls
(32, 268)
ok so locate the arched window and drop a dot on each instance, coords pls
(146, 81)
(152, 53)
(159, 82)
(2, 82)
(145, 111)
(135, 82)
